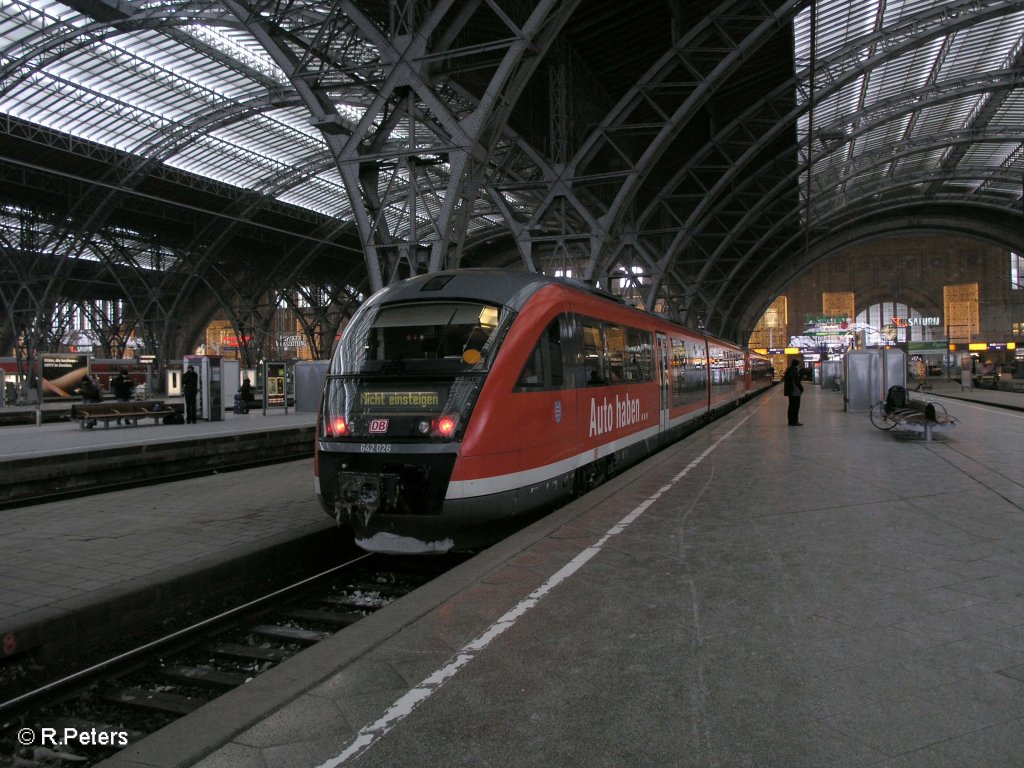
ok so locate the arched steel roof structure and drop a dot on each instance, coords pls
(179, 158)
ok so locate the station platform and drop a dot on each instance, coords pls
(58, 435)
(78, 566)
(755, 595)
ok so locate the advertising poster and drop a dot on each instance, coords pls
(276, 388)
(62, 374)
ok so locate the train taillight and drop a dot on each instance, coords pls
(339, 427)
(446, 426)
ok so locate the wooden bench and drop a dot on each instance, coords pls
(89, 413)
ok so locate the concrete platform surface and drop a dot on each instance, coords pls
(70, 566)
(27, 441)
(756, 595)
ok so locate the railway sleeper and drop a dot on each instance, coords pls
(330, 618)
(216, 679)
(254, 652)
(161, 701)
(384, 589)
(291, 634)
(352, 602)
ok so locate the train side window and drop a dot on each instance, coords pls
(593, 353)
(532, 375)
(556, 365)
(640, 357)
(544, 366)
(689, 373)
(615, 339)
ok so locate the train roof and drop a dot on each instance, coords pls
(511, 288)
(508, 287)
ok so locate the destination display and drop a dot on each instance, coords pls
(399, 400)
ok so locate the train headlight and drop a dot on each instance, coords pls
(446, 426)
(423, 427)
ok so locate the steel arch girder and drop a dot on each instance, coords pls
(879, 221)
(767, 204)
(627, 181)
(758, 21)
(868, 191)
(468, 140)
(937, 23)
(787, 246)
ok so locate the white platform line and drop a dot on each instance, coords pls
(404, 706)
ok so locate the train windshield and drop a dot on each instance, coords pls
(455, 337)
(411, 370)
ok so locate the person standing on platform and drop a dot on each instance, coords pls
(966, 377)
(190, 386)
(122, 387)
(245, 396)
(793, 388)
(90, 394)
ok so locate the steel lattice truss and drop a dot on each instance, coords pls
(163, 161)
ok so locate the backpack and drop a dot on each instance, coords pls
(895, 398)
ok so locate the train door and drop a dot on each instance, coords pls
(664, 379)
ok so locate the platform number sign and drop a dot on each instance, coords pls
(378, 426)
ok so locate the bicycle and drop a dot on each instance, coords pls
(897, 410)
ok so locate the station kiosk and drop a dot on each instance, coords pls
(868, 375)
(210, 400)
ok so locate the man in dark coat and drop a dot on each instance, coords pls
(90, 394)
(190, 387)
(793, 388)
(122, 386)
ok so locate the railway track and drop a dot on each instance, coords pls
(85, 717)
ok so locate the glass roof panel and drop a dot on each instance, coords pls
(982, 48)
(862, 33)
(324, 193)
(201, 93)
(128, 91)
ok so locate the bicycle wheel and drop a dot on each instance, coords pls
(878, 418)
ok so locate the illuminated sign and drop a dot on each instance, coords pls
(393, 399)
(841, 320)
(230, 340)
(986, 346)
(908, 322)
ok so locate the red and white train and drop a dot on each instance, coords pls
(460, 404)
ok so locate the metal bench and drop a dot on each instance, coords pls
(913, 415)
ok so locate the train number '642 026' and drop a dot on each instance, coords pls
(375, 448)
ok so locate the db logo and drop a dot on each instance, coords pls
(378, 426)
